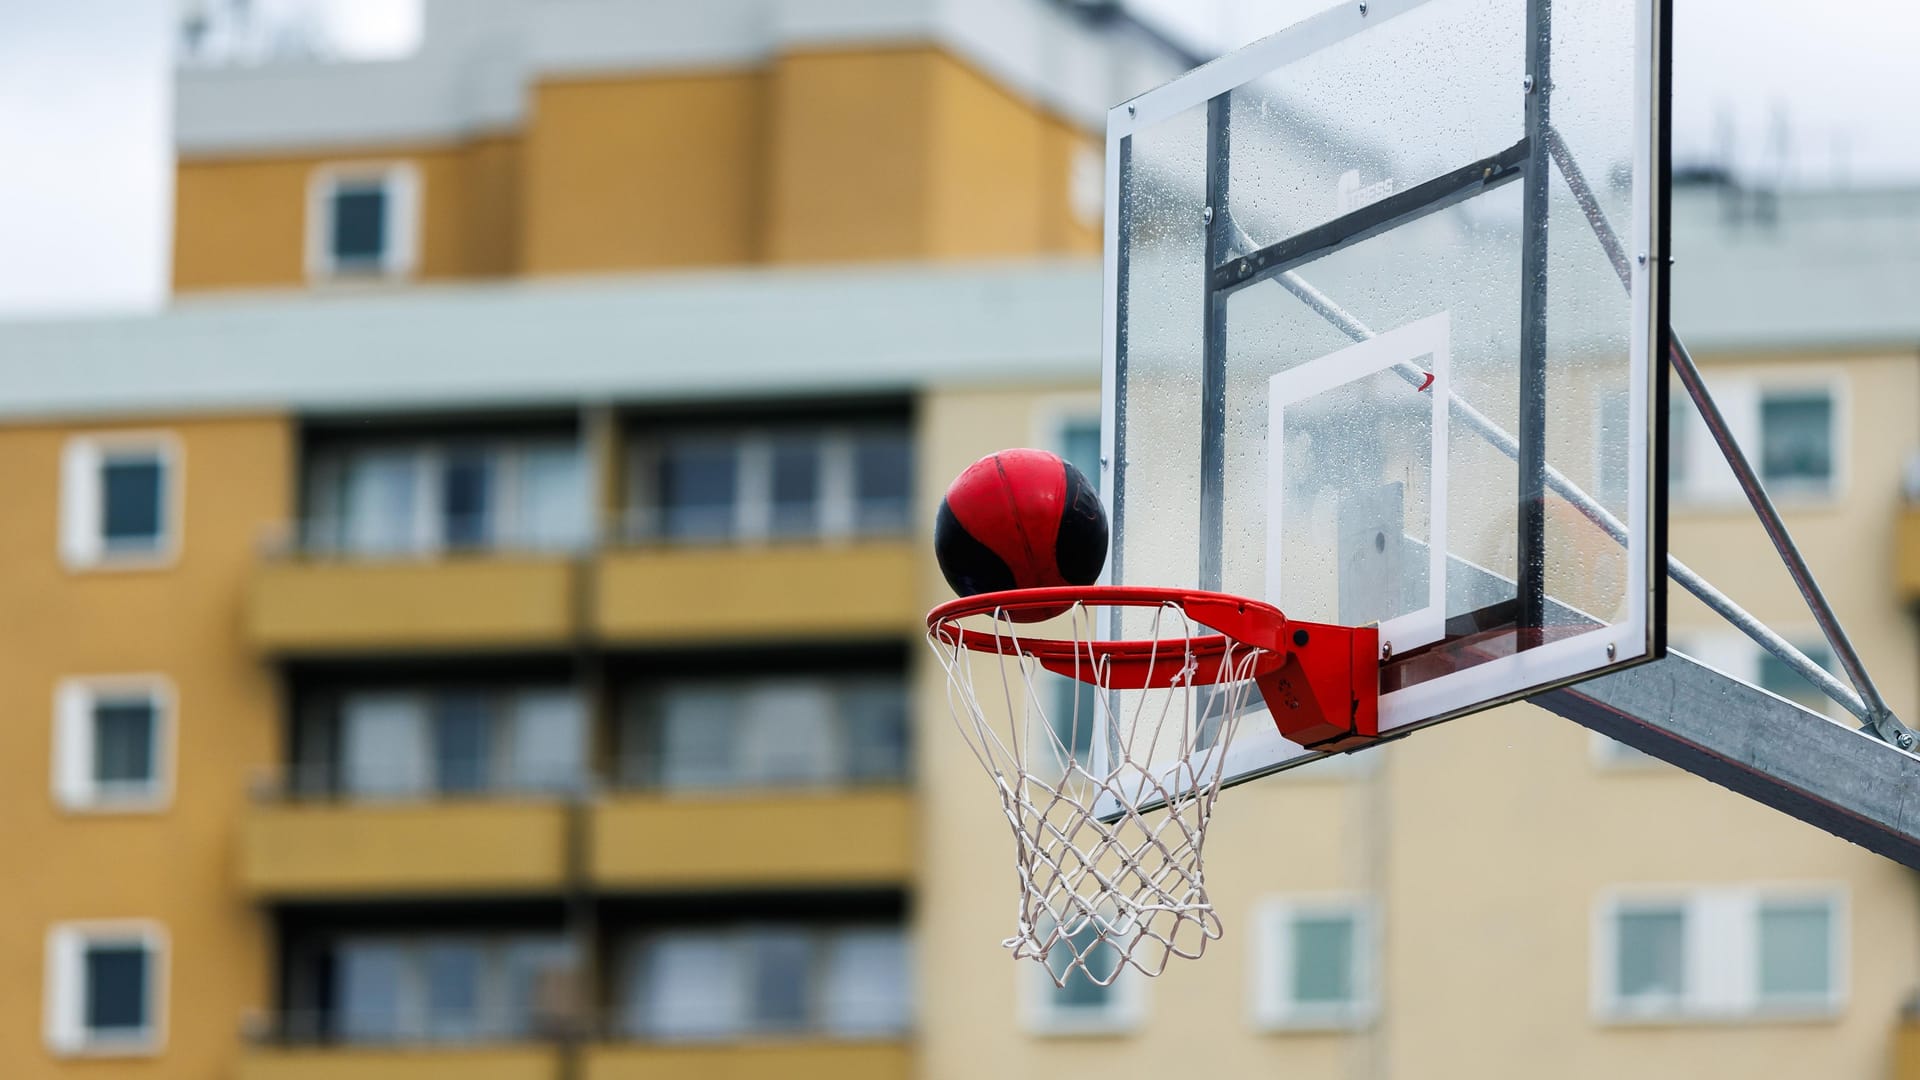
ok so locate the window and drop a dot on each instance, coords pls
(882, 481)
(1776, 677)
(424, 497)
(1314, 968)
(790, 482)
(1651, 950)
(361, 222)
(729, 982)
(1686, 437)
(1080, 1005)
(1796, 442)
(410, 744)
(113, 743)
(699, 488)
(1790, 433)
(118, 496)
(104, 987)
(1723, 953)
(1795, 945)
(450, 989)
(1087, 186)
(767, 732)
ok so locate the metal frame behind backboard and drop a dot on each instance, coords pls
(1639, 637)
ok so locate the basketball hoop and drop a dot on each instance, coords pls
(1104, 886)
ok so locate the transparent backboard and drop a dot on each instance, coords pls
(1385, 297)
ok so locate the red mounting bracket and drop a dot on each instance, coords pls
(1326, 696)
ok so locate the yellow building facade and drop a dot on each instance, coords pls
(476, 630)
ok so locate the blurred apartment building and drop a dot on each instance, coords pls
(475, 631)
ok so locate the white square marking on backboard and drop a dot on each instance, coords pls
(1426, 340)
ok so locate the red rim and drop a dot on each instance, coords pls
(1240, 622)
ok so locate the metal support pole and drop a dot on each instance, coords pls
(1531, 578)
(1213, 365)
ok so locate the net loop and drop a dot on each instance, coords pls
(1109, 834)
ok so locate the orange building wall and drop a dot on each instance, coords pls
(240, 222)
(631, 173)
(177, 866)
(851, 167)
(1001, 170)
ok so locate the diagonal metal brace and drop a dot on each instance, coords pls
(1877, 716)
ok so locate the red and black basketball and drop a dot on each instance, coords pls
(1020, 519)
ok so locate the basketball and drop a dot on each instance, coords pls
(1020, 519)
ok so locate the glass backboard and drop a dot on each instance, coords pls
(1385, 295)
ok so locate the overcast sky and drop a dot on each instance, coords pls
(85, 103)
(1841, 79)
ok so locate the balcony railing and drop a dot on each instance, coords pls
(385, 1029)
(328, 782)
(426, 537)
(440, 536)
(852, 769)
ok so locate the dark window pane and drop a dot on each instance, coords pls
(1080, 445)
(130, 514)
(367, 991)
(1795, 941)
(453, 991)
(697, 484)
(796, 487)
(1323, 960)
(781, 969)
(123, 741)
(877, 731)
(1102, 960)
(116, 988)
(882, 477)
(461, 741)
(1652, 958)
(1073, 717)
(359, 224)
(466, 491)
(1796, 440)
(1776, 677)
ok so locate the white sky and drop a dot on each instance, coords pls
(86, 133)
(85, 100)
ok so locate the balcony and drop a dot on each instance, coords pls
(424, 1062)
(686, 595)
(458, 602)
(338, 849)
(757, 840)
(796, 1060)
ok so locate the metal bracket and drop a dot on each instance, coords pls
(1327, 695)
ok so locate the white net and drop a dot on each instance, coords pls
(1097, 896)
